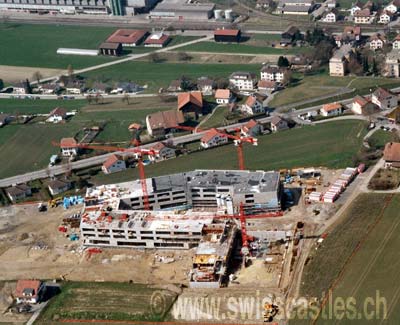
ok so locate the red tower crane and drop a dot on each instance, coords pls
(138, 152)
(238, 141)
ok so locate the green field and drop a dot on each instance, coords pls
(36, 45)
(373, 269)
(106, 301)
(217, 119)
(380, 138)
(157, 75)
(331, 144)
(241, 48)
(41, 106)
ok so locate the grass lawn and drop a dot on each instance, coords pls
(332, 145)
(105, 301)
(309, 87)
(157, 75)
(372, 270)
(217, 119)
(41, 106)
(380, 138)
(241, 48)
(36, 45)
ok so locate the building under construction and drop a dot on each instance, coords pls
(218, 190)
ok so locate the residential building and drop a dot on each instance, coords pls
(339, 61)
(205, 85)
(164, 151)
(289, 35)
(22, 88)
(175, 85)
(278, 124)
(243, 80)
(191, 103)
(99, 88)
(49, 88)
(356, 7)
(264, 4)
(29, 291)
(157, 40)
(5, 119)
(58, 186)
(384, 17)
(69, 147)
(330, 4)
(393, 6)
(126, 88)
(113, 164)
(227, 35)
(110, 49)
(332, 109)
(213, 138)
(128, 37)
(329, 17)
(362, 106)
(223, 96)
(272, 73)
(377, 41)
(396, 42)
(161, 123)
(57, 115)
(253, 106)
(72, 84)
(391, 155)
(18, 192)
(384, 98)
(364, 16)
(392, 64)
(267, 86)
(251, 129)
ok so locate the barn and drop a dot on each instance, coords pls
(227, 35)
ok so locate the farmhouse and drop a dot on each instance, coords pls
(23, 87)
(164, 151)
(393, 6)
(175, 85)
(223, 96)
(384, 17)
(68, 147)
(157, 40)
(113, 164)
(213, 138)
(227, 35)
(267, 85)
(278, 124)
(243, 80)
(29, 291)
(332, 109)
(295, 7)
(49, 88)
(110, 49)
(57, 115)
(127, 37)
(58, 186)
(253, 106)
(384, 98)
(391, 155)
(205, 85)
(363, 16)
(18, 192)
(161, 123)
(191, 103)
(362, 106)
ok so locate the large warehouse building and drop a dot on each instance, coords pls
(182, 10)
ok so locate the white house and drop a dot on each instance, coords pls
(251, 129)
(57, 186)
(393, 6)
(377, 41)
(243, 80)
(384, 99)
(57, 115)
(68, 147)
(356, 7)
(332, 109)
(361, 105)
(29, 291)
(113, 164)
(163, 151)
(252, 106)
(273, 73)
(213, 138)
(396, 42)
(277, 124)
(223, 96)
(329, 17)
(385, 17)
(364, 16)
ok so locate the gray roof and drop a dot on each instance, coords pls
(182, 5)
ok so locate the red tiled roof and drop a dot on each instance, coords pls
(250, 101)
(158, 146)
(27, 284)
(226, 32)
(268, 84)
(194, 97)
(165, 119)
(331, 107)
(249, 125)
(382, 93)
(210, 135)
(223, 93)
(127, 36)
(360, 100)
(152, 40)
(134, 126)
(111, 161)
(58, 111)
(392, 152)
(68, 143)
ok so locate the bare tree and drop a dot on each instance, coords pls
(183, 56)
(37, 76)
(70, 70)
(125, 98)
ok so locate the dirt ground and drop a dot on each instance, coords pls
(11, 74)
(32, 247)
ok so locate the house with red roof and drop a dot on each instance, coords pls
(252, 106)
(160, 123)
(227, 35)
(29, 291)
(191, 103)
(223, 96)
(384, 98)
(332, 109)
(157, 40)
(113, 164)
(391, 155)
(213, 138)
(251, 128)
(128, 37)
(57, 115)
(164, 151)
(69, 147)
(363, 106)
